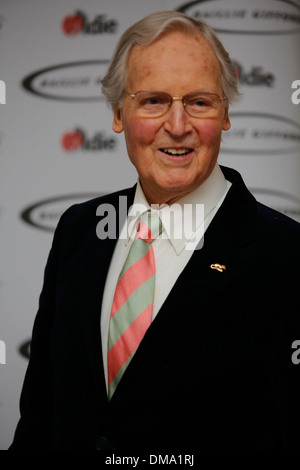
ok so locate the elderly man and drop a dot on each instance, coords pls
(149, 342)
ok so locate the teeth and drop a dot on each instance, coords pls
(176, 151)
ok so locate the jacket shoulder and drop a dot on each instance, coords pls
(266, 217)
(278, 237)
(273, 221)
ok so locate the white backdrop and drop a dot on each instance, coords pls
(57, 146)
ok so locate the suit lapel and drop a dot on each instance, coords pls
(93, 275)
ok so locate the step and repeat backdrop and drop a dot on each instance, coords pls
(57, 146)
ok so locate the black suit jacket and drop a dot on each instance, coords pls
(214, 370)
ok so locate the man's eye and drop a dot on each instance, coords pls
(200, 103)
(152, 101)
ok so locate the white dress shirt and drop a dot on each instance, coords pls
(173, 248)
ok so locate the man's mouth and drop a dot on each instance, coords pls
(177, 152)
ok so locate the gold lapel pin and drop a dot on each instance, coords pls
(218, 267)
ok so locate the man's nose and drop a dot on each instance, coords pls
(177, 120)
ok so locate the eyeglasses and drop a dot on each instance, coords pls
(154, 104)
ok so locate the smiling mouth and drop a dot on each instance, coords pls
(176, 152)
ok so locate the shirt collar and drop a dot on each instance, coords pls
(201, 202)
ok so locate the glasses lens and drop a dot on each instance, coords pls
(202, 104)
(150, 103)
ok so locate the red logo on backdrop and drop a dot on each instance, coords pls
(72, 141)
(78, 23)
(73, 24)
(78, 140)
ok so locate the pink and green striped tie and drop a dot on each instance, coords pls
(131, 313)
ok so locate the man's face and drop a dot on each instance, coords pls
(177, 64)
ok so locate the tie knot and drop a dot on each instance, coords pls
(150, 227)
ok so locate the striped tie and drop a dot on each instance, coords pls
(131, 312)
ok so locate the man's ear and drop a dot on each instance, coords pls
(226, 121)
(118, 120)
